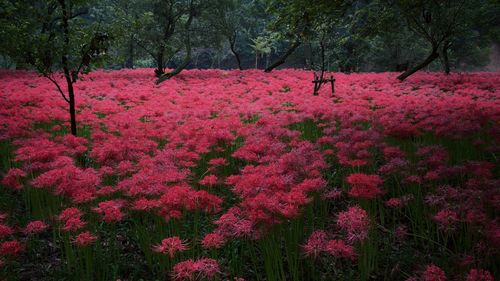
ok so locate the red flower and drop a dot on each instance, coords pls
(394, 203)
(170, 246)
(446, 218)
(479, 275)
(204, 268)
(69, 213)
(434, 273)
(316, 243)
(209, 180)
(74, 224)
(110, 210)
(11, 248)
(354, 222)
(13, 179)
(364, 186)
(85, 239)
(35, 227)
(213, 241)
(72, 219)
(5, 231)
(340, 249)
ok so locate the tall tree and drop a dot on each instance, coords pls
(297, 21)
(55, 37)
(438, 22)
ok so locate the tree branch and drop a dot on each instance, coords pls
(58, 87)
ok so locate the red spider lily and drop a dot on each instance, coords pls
(446, 218)
(35, 227)
(340, 249)
(71, 217)
(11, 248)
(209, 180)
(110, 210)
(364, 186)
(84, 239)
(316, 243)
(203, 268)
(70, 213)
(354, 222)
(13, 179)
(213, 241)
(433, 273)
(170, 246)
(5, 231)
(479, 275)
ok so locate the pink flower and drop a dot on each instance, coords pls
(69, 213)
(364, 186)
(85, 239)
(354, 222)
(13, 179)
(216, 162)
(170, 246)
(433, 273)
(340, 249)
(5, 231)
(74, 224)
(209, 180)
(394, 203)
(110, 210)
(479, 275)
(201, 269)
(35, 227)
(213, 241)
(316, 243)
(11, 248)
(446, 218)
(71, 217)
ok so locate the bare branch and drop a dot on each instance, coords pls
(58, 87)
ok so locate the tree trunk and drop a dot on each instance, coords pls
(72, 108)
(281, 60)
(308, 56)
(446, 61)
(434, 55)
(256, 60)
(130, 59)
(160, 63)
(235, 53)
(67, 73)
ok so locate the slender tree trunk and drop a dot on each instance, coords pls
(72, 108)
(281, 60)
(67, 73)
(256, 60)
(130, 60)
(308, 56)
(434, 55)
(446, 61)
(235, 53)
(160, 63)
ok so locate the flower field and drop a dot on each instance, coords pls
(241, 175)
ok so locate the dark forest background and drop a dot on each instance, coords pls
(347, 36)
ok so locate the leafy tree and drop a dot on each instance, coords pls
(439, 23)
(51, 36)
(296, 21)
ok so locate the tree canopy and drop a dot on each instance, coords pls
(357, 35)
